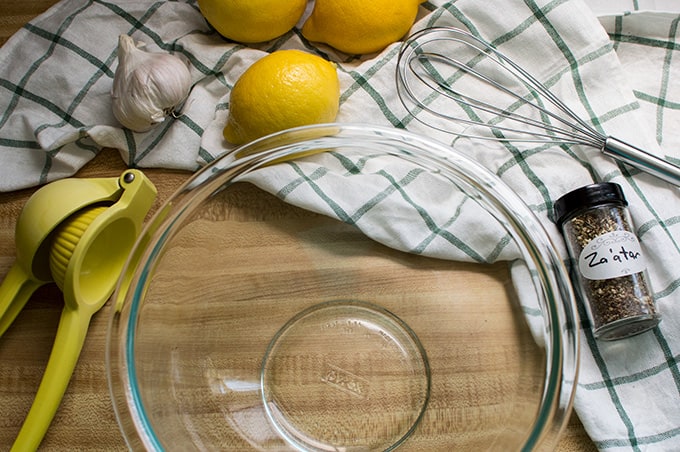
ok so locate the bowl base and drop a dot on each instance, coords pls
(345, 375)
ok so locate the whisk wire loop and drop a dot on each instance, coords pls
(424, 66)
(508, 113)
(443, 64)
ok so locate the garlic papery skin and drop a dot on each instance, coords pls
(147, 86)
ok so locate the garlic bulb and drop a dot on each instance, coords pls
(147, 86)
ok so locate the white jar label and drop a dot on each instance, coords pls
(611, 255)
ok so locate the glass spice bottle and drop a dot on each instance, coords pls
(610, 271)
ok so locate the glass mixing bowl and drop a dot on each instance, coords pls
(246, 323)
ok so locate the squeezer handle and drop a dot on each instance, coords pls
(16, 289)
(68, 344)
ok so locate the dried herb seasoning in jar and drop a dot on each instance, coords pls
(610, 270)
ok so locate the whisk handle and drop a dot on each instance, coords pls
(642, 160)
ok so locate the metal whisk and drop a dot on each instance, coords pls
(437, 70)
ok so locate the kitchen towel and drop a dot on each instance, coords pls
(55, 115)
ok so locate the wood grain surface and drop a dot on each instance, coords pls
(85, 419)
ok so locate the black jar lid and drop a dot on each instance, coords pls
(588, 196)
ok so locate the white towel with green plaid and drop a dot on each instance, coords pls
(622, 69)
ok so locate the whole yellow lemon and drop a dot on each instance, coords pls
(360, 26)
(287, 88)
(252, 21)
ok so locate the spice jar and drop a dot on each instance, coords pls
(609, 269)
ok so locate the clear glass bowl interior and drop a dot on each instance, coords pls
(247, 323)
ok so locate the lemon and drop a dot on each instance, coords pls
(252, 21)
(287, 88)
(360, 26)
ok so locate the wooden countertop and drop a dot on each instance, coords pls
(85, 419)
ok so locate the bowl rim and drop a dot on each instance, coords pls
(562, 359)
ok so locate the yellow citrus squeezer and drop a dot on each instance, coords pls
(77, 233)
